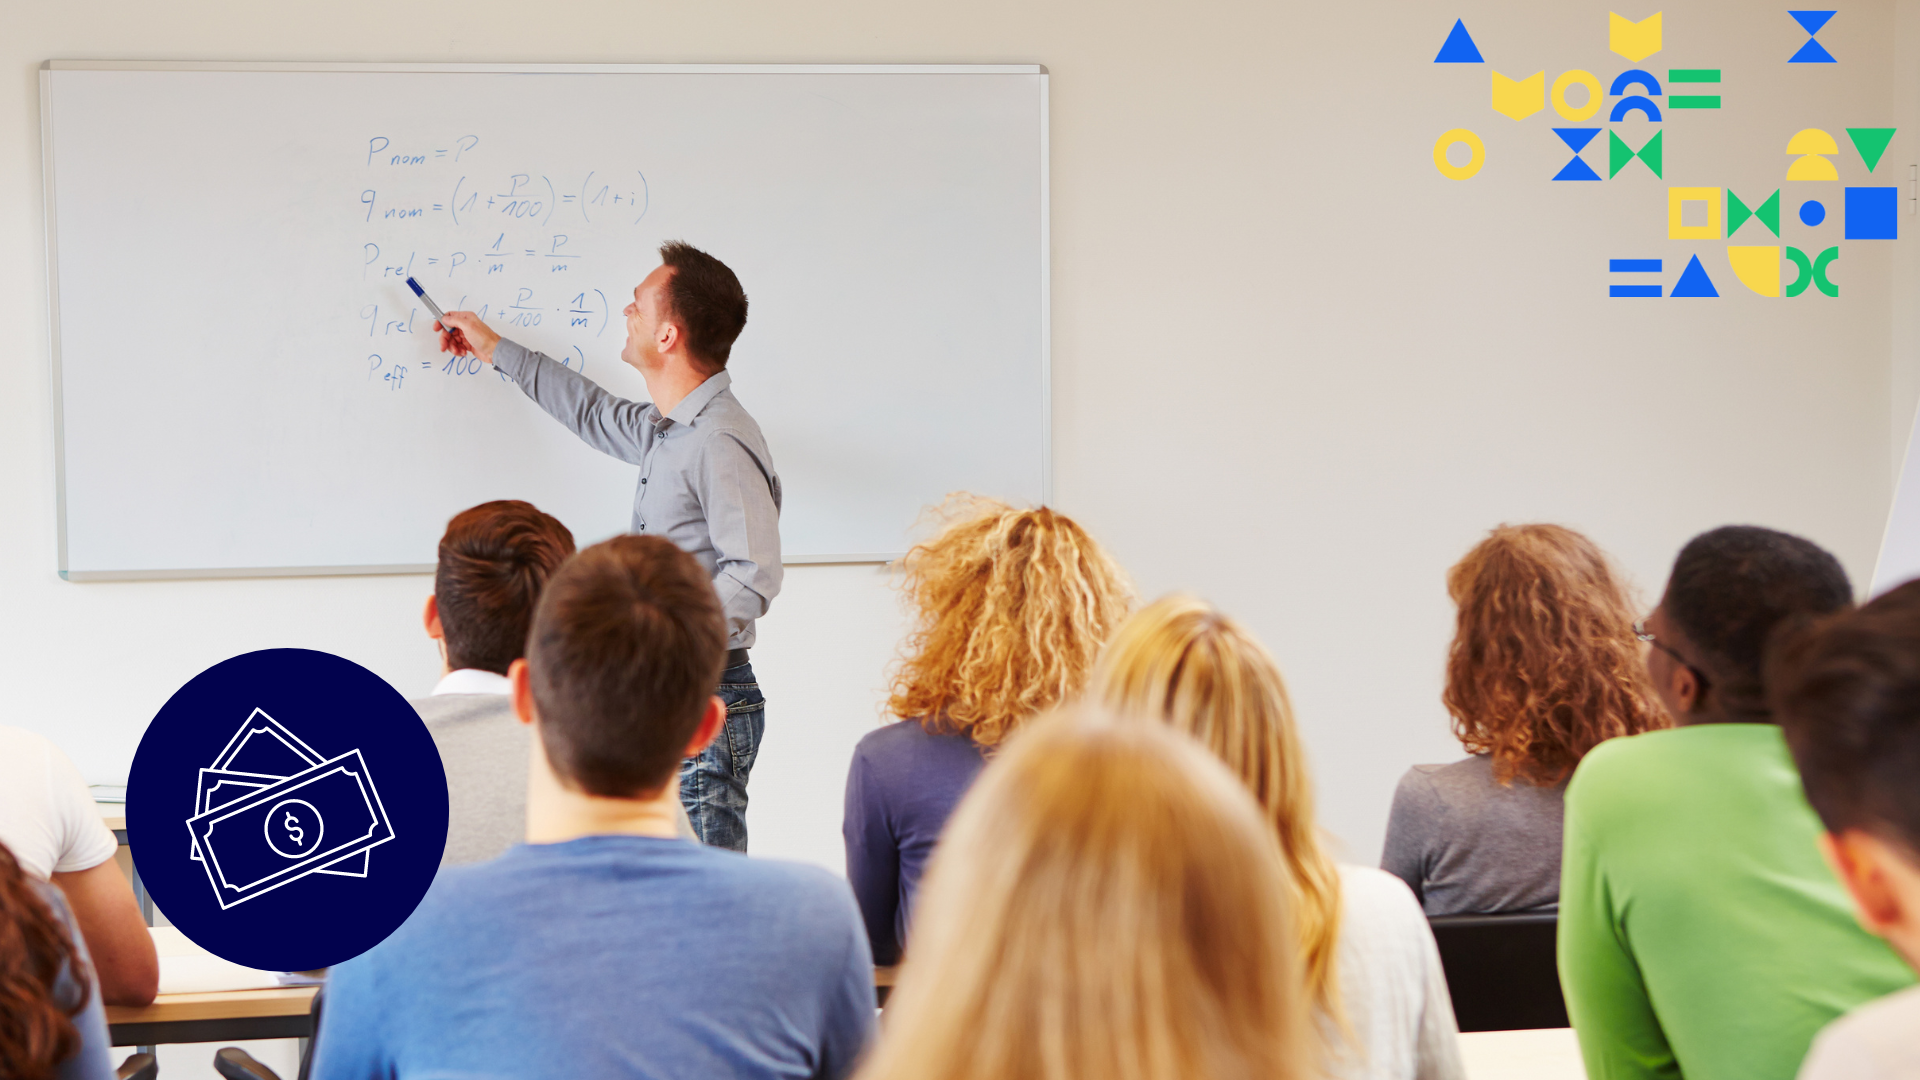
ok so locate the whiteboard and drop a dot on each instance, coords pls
(245, 386)
(1900, 545)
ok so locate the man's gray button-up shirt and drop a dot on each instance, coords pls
(717, 496)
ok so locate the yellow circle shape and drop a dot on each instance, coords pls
(1595, 97)
(1459, 172)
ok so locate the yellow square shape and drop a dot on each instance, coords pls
(1678, 196)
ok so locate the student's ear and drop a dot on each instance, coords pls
(432, 619)
(1685, 687)
(711, 722)
(1859, 860)
(522, 691)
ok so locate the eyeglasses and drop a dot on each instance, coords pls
(1640, 631)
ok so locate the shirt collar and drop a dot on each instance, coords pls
(691, 405)
(472, 681)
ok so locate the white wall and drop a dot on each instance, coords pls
(1295, 369)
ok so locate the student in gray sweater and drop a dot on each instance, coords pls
(494, 560)
(1545, 665)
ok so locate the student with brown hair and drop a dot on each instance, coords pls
(1012, 607)
(494, 560)
(605, 946)
(1372, 970)
(1108, 904)
(706, 480)
(52, 1026)
(1847, 695)
(1544, 667)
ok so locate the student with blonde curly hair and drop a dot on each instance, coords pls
(1372, 971)
(1109, 905)
(1012, 607)
(1544, 666)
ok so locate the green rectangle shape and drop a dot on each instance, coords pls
(1680, 101)
(1693, 75)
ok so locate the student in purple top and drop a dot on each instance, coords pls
(1013, 607)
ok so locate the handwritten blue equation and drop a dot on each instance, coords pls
(523, 248)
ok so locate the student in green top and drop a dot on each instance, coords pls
(1701, 933)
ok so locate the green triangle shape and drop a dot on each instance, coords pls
(1652, 154)
(1769, 212)
(1871, 142)
(1618, 154)
(1737, 213)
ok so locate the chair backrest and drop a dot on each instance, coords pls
(1501, 970)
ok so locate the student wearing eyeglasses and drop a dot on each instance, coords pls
(1701, 934)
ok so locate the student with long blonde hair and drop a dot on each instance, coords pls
(1011, 609)
(1371, 967)
(1107, 905)
(1544, 667)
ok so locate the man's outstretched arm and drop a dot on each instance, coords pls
(606, 422)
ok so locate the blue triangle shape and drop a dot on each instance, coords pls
(1577, 170)
(1694, 281)
(1460, 48)
(1811, 21)
(1576, 138)
(1812, 53)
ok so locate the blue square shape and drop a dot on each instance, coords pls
(1873, 213)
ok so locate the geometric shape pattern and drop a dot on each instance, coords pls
(1812, 166)
(1558, 94)
(1812, 52)
(1519, 98)
(1634, 40)
(1812, 271)
(1619, 153)
(1871, 143)
(1694, 280)
(1768, 213)
(1459, 47)
(1636, 77)
(1677, 197)
(1812, 212)
(1576, 140)
(1636, 103)
(1758, 268)
(1633, 266)
(1445, 143)
(1873, 213)
(1695, 76)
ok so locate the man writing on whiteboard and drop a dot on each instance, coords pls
(706, 479)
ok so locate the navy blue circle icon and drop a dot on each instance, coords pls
(287, 809)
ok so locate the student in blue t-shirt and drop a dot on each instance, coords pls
(604, 946)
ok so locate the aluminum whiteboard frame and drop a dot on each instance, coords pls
(53, 264)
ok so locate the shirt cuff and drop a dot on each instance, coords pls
(512, 358)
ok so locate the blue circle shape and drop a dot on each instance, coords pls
(317, 792)
(1812, 213)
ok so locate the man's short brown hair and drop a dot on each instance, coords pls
(627, 646)
(494, 560)
(707, 302)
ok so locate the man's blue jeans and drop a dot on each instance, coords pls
(713, 786)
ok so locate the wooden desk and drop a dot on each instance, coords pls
(228, 1016)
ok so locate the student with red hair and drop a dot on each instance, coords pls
(1544, 667)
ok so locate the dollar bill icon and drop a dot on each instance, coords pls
(255, 832)
(262, 751)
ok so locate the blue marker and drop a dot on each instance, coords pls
(438, 315)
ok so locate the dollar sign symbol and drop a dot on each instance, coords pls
(293, 829)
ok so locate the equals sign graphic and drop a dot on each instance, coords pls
(431, 261)
(1633, 266)
(566, 198)
(529, 251)
(436, 206)
(439, 153)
